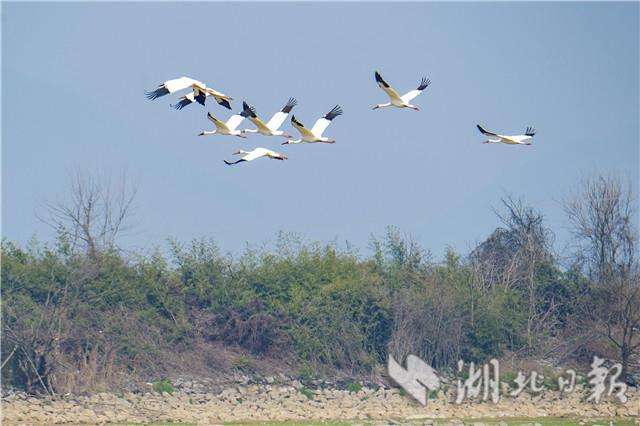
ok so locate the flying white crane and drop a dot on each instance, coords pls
(228, 128)
(270, 128)
(397, 100)
(511, 140)
(199, 94)
(315, 134)
(256, 153)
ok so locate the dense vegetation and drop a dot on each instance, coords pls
(74, 316)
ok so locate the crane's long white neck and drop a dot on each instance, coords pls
(290, 142)
(250, 131)
(207, 132)
(493, 141)
(382, 105)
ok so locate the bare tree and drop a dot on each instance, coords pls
(601, 214)
(615, 314)
(90, 220)
(95, 214)
(35, 337)
(511, 257)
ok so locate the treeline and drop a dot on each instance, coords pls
(78, 312)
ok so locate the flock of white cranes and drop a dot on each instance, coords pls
(200, 92)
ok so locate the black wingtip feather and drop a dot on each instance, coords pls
(247, 111)
(483, 131)
(289, 106)
(296, 122)
(380, 80)
(251, 111)
(228, 163)
(160, 91)
(336, 111)
(201, 98)
(530, 131)
(424, 83)
(183, 103)
(225, 103)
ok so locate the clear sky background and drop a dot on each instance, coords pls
(74, 75)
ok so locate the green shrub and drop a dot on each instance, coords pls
(307, 392)
(550, 379)
(243, 364)
(354, 387)
(508, 377)
(305, 374)
(163, 386)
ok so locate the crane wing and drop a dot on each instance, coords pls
(220, 98)
(517, 138)
(275, 155)
(253, 117)
(171, 86)
(256, 153)
(233, 121)
(485, 132)
(303, 130)
(264, 152)
(236, 119)
(385, 86)
(199, 95)
(213, 92)
(279, 117)
(260, 124)
(221, 126)
(407, 97)
(322, 123)
(320, 126)
(222, 101)
(188, 99)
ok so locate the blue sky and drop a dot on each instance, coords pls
(74, 75)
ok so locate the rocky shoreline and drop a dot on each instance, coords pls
(272, 400)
